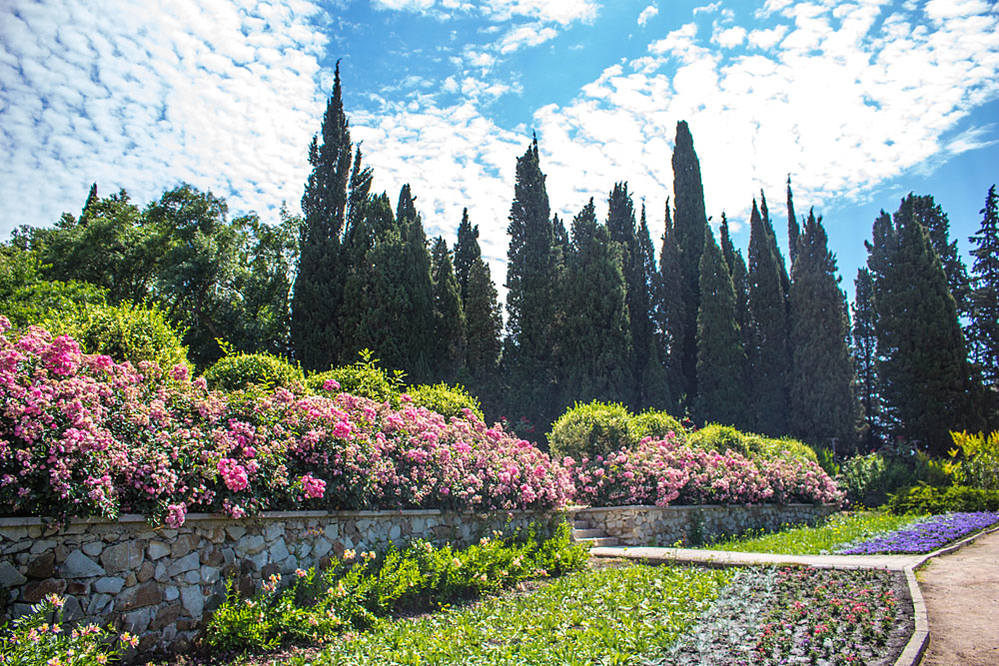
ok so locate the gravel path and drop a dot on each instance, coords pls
(961, 591)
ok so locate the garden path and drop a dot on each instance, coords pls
(961, 591)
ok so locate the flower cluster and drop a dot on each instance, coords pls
(927, 535)
(665, 471)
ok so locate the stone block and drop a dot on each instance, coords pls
(78, 565)
(235, 532)
(184, 564)
(171, 593)
(184, 544)
(212, 557)
(41, 545)
(209, 574)
(93, 548)
(251, 544)
(10, 576)
(146, 571)
(124, 556)
(279, 551)
(157, 549)
(273, 531)
(71, 609)
(109, 585)
(147, 594)
(192, 577)
(99, 604)
(322, 547)
(35, 591)
(193, 601)
(166, 616)
(137, 621)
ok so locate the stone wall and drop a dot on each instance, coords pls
(160, 583)
(664, 526)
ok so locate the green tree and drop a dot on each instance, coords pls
(722, 395)
(319, 282)
(793, 230)
(740, 281)
(669, 313)
(653, 384)
(822, 398)
(865, 357)
(929, 214)
(466, 252)
(449, 317)
(984, 294)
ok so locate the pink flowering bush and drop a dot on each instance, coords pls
(665, 471)
(82, 435)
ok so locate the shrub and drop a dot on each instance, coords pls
(39, 638)
(929, 500)
(448, 401)
(363, 378)
(593, 429)
(656, 424)
(715, 437)
(979, 464)
(868, 479)
(241, 371)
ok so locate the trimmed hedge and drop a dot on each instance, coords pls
(930, 500)
(241, 371)
(715, 437)
(363, 378)
(591, 429)
(449, 401)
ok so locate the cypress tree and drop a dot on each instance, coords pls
(923, 367)
(595, 337)
(449, 318)
(721, 396)
(466, 252)
(532, 293)
(770, 357)
(865, 356)
(740, 282)
(359, 315)
(793, 231)
(484, 324)
(417, 312)
(984, 295)
(690, 221)
(931, 216)
(318, 290)
(653, 385)
(785, 277)
(822, 399)
(669, 313)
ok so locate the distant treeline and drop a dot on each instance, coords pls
(593, 310)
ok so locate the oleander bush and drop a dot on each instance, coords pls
(930, 500)
(236, 372)
(448, 401)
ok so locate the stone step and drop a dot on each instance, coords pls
(600, 541)
(581, 524)
(587, 533)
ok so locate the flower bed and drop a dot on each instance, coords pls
(662, 472)
(926, 535)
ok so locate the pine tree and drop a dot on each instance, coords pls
(669, 314)
(318, 291)
(690, 221)
(793, 231)
(865, 356)
(984, 296)
(89, 204)
(770, 356)
(449, 317)
(466, 252)
(822, 399)
(923, 367)
(722, 395)
(596, 340)
(532, 284)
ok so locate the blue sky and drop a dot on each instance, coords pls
(860, 101)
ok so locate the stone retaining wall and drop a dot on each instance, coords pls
(664, 526)
(160, 583)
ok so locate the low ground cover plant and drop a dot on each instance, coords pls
(357, 589)
(825, 537)
(925, 535)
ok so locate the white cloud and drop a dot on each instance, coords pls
(729, 37)
(768, 37)
(707, 9)
(525, 35)
(647, 14)
(403, 5)
(562, 12)
(680, 43)
(222, 95)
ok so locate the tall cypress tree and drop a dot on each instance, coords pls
(669, 314)
(484, 324)
(722, 395)
(653, 385)
(466, 252)
(984, 295)
(740, 282)
(793, 231)
(532, 292)
(596, 339)
(822, 399)
(690, 221)
(417, 314)
(770, 357)
(929, 214)
(923, 367)
(865, 357)
(318, 291)
(449, 317)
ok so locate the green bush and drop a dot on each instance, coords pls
(656, 424)
(237, 372)
(868, 479)
(979, 464)
(39, 638)
(363, 378)
(785, 446)
(929, 500)
(595, 428)
(445, 399)
(715, 437)
(125, 332)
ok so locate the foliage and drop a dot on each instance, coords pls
(984, 294)
(827, 461)
(926, 534)
(979, 464)
(864, 340)
(85, 436)
(448, 401)
(716, 437)
(591, 429)
(26, 298)
(449, 316)
(607, 616)
(929, 500)
(40, 638)
(353, 592)
(363, 378)
(240, 371)
(669, 315)
(869, 479)
(656, 424)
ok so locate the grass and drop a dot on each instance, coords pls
(607, 616)
(828, 537)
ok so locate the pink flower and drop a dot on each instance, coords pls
(233, 474)
(176, 514)
(331, 385)
(312, 487)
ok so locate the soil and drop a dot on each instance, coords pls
(962, 601)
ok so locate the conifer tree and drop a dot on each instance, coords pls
(984, 296)
(690, 221)
(595, 337)
(722, 394)
(740, 282)
(484, 324)
(417, 311)
(89, 204)
(669, 313)
(533, 284)
(449, 318)
(318, 291)
(785, 277)
(929, 214)
(653, 385)
(865, 356)
(793, 231)
(922, 360)
(770, 357)
(466, 252)
(822, 399)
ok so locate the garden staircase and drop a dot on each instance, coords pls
(584, 532)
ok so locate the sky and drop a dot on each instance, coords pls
(860, 102)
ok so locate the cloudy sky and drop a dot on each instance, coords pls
(859, 101)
